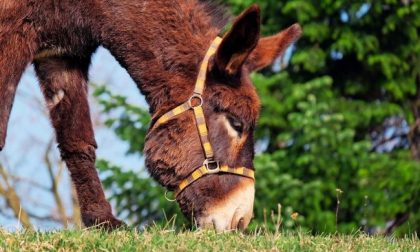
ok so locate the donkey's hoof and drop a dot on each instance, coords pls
(2, 141)
(107, 222)
(111, 224)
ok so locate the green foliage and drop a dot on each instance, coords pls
(138, 199)
(314, 151)
(132, 122)
(354, 67)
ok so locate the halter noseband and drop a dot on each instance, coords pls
(210, 166)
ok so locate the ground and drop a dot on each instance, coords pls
(158, 239)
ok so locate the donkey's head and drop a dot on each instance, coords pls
(204, 148)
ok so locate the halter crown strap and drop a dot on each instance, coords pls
(210, 166)
(201, 79)
(198, 89)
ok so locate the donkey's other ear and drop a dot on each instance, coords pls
(270, 48)
(239, 42)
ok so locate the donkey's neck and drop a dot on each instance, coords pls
(161, 44)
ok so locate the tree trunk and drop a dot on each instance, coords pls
(414, 136)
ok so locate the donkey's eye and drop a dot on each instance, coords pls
(236, 124)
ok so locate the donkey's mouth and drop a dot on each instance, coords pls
(233, 212)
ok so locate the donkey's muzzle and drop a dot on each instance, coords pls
(233, 212)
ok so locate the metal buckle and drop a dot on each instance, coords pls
(212, 166)
(195, 96)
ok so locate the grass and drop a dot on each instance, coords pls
(158, 239)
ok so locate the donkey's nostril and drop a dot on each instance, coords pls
(241, 224)
(238, 223)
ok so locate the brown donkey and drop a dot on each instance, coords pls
(162, 44)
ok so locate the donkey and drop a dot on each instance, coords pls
(166, 46)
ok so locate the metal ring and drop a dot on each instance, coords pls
(167, 198)
(195, 96)
(207, 163)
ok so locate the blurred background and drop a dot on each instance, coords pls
(338, 141)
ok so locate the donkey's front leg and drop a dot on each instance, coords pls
(63, 82)
(16, 49)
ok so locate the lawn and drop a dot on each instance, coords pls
(156, 239)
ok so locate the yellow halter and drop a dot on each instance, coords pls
(210, 166)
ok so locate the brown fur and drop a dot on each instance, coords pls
(161, 44)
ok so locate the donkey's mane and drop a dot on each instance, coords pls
(171, 46)
(219, 13)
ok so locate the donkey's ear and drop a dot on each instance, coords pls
(270, 48)
(239, 42)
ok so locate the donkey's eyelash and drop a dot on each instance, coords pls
(236, 124)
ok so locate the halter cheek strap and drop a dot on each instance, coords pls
(195, 103)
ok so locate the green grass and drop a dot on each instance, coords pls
(156, 239)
